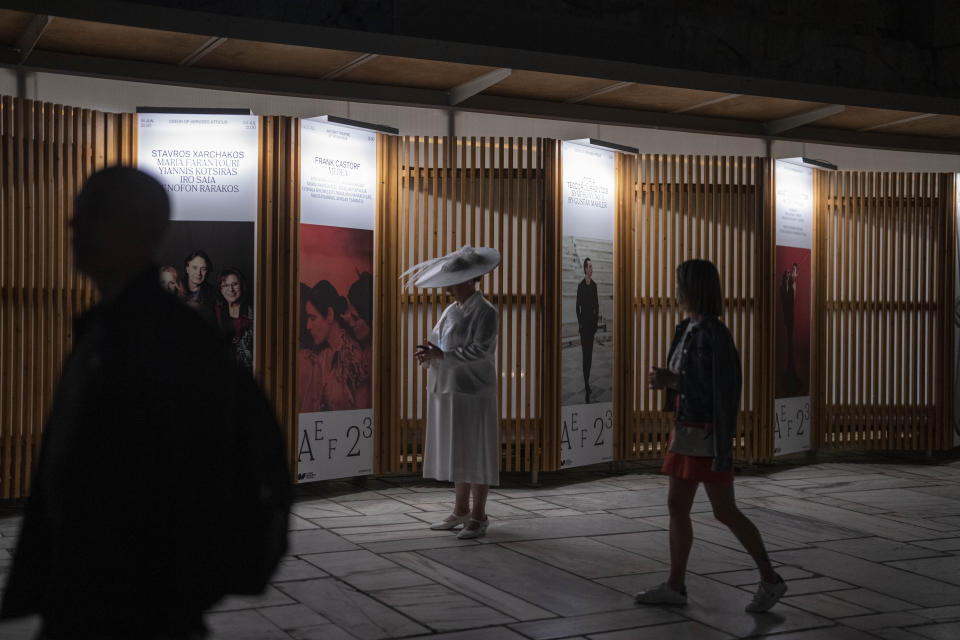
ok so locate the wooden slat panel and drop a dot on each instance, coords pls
(481, 195)
(878, 381)
(715, 208)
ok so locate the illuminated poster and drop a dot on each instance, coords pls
(207, 164)
(586, 333)
(335, 353)
(794, 238)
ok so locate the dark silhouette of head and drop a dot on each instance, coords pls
(698, 288)
(359, 314)
(119, 219)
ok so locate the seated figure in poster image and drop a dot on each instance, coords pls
(133, 525)
(170, 281)
(359, 320)
(331, 369)
(462, 440)
(703, 384)
(588, 318)
(197, 292)
(234, 315)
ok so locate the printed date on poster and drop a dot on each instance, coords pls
(336, 444)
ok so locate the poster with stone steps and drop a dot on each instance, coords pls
(586, 334)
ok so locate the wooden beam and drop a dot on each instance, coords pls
(774, 127)
(472, 87)
(921, 116)
(31, 35)
(700, 105)
(599, 92)
(350, 66)
(202, 51)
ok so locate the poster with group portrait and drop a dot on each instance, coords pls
(587, 307)
(207, 164)
(335, 351)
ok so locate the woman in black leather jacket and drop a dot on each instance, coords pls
(703, 381)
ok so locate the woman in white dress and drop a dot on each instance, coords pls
(462, 441)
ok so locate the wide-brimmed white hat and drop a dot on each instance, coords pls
(462, 265)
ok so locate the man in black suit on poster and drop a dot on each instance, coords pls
(588, 317)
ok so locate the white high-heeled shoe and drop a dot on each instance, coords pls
(474, 529)
(450, 522)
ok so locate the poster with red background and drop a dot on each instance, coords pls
(793, 367)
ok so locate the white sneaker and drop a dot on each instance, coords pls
(474, 529)
(767, 595)
(452, 521)
(661, 594)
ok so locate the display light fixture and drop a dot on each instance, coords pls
(357, 124)
(197, 111)
(604, 144)
(810, 162)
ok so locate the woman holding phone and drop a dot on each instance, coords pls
(462, 444)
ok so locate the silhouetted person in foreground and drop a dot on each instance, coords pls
(140, 512)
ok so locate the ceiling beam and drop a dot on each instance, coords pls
(599, 92)
(436, 48)
(202, 51)
(349, 66)
(31, 35)
(774, 127)
(471, 88)
(262, 83)
(707, 103)
(921, 116)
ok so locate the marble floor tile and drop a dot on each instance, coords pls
(545, 586)
(242, 625)
(878, 549)
(364, 617)
(596, 623)
(943, 544)
(837, 632)
(417, 532)
(884, 620)
(320, 509)
(873, 600)
(906, 501)
(785, 525)
(510, 605)
(295, 569)
(557, 513)
(270, 597)
(502, 508)
(376, 507)
(611, 500)
(836, 517)
(946, 568)
(487, 633)
(749, 576)
(940, 613)
(897, 583)
(529, 504)
(316, 541)
(343, 522)
(942, 631)
(705, 557)
(586, 557)
(720, 606)
(320, 632)
(293, 616)
(707, 527)
(296, 523)
(678, 631)
(417, 544)
(825, 605)
(818, 584)
(568, 526)
(440, 608)
(365, 571)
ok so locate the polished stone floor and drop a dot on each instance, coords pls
(870, 547)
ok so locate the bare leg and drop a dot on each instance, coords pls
(462, 505)
(725, 510)
(480, 492)
(680, 501)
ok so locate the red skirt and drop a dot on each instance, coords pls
(694, 468)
